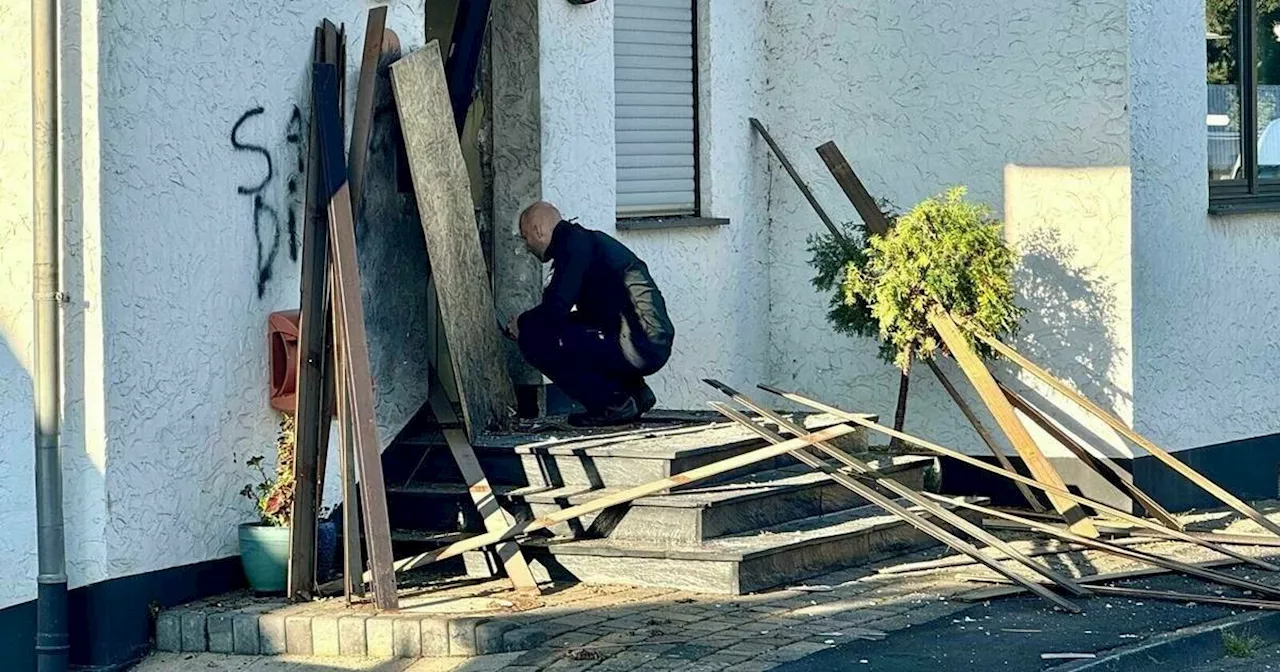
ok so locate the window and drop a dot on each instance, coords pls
(1243, 53)
(656, 109)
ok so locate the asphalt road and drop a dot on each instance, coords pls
(1011, 633)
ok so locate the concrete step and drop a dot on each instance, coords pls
(596, 460)
(716, 510)
(733, 565)
(684, 516)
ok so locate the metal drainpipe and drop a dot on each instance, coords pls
(52, 640)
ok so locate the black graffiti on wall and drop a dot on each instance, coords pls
(266, 218)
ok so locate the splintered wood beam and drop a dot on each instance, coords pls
(623, 497)
(482, 495)
(899, 489)
(356, 347)
(862, 201)
(1239, 505)
(1094, 459)
(984, 433)
(1091, 581)
(1044, 487)
(1003, 412)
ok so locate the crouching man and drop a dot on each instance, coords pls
(602, 326)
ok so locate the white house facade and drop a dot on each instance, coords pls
(1083, 124)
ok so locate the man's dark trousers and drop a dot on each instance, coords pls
(593, 366)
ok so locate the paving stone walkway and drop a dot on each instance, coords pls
(608, 628)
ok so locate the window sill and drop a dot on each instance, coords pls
(1236, 205)
(681, 222)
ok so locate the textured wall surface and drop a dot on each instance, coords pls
(716, 280)
(83, 436)
(190, 273)
(517, 163)
(17, 539)
(922, 96)
(1206, 347)
(1072, 228)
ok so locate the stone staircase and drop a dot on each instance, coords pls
(768, 525)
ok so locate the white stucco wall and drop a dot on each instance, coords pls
(17, 538)
(1205, 339)
(165, 331)
(186, 347)
(921, 96)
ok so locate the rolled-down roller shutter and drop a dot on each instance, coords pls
(654, 79)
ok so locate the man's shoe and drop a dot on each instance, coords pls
(645, 398)
(621, 414)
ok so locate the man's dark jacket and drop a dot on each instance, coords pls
(613, 291)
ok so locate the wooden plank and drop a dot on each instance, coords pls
(905, 515)
(800, 183)
(1175, 596)
(453, 242)
(352, 561)
(1118, 425)
(982, 431)
(1095, 460)
(1124, 552)
(1044, 487)
(356, 350)
(1163, 595)
(362, 125)
(441, 17)
(1092, 581)
(310, 414)
(954, 561)
(862, 201)
(899, 489)
(624, 496)
(333, 51)
(495, 519)
(1008, 421)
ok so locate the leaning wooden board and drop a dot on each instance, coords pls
(443, 192)
(482, 495)
(1118, 425)
(355, 355)
(978, 374)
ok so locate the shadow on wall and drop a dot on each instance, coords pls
(1069, 328)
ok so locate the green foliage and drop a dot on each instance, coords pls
(1241, 645)
(273, 493)
(945, 251)
(831, 258)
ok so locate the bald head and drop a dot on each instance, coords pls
(537, 224)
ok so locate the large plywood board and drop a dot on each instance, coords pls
(448, 219)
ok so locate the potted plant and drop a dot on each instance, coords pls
(264, 544)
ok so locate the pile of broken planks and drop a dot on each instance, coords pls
(1069, 526)
(335, 371)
